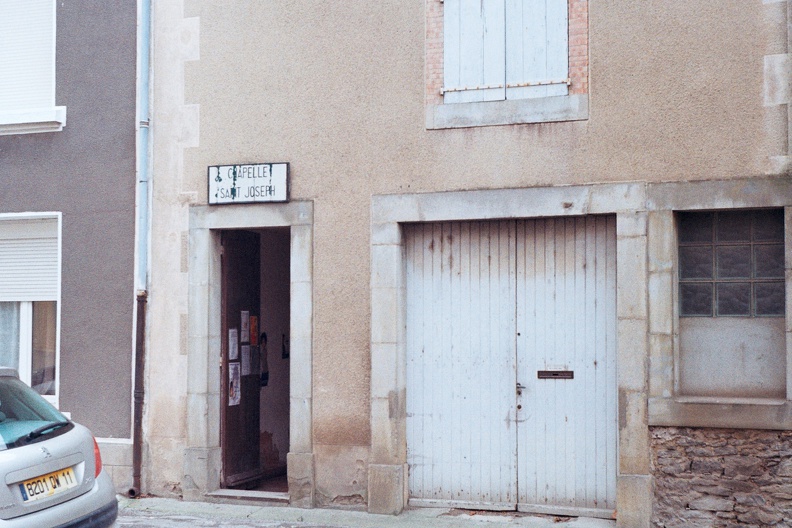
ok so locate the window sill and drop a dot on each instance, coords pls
(728, 413)
(511, 112)
(33, 121)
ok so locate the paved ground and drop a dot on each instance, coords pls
(171, 513)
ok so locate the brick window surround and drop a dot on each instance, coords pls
(572, 107)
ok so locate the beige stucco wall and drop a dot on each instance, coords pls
(678, 90)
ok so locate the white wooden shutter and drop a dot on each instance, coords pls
(474, 50)
(537, 47)
(27, 55)
(29, 260)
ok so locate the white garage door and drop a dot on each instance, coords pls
(511, 373)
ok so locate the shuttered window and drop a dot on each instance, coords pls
(27, 67)
(29, 260)
(29, 295)
(504, 49)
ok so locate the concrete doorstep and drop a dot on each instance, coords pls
(173, 513)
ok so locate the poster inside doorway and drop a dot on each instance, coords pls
(254, 330)
(244, 331)
(233, 344)
(234, 381)
(246, 360)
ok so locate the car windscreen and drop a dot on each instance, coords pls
(24, 415)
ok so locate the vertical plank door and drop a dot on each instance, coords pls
(566, 321)
(461, 364)
(489, 305)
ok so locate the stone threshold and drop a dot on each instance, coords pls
(251, 495)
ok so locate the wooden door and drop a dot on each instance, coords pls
(489, 305)
(566, 321)
(461, 364)
(240, 372)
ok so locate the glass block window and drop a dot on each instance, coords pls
(731, 263)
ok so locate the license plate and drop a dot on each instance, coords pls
(48, 485)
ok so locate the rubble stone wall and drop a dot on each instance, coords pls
(721, 477)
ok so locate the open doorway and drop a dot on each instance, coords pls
(204, 456)
(256, 358)
(274, 378)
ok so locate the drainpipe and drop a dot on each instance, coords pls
(137, 411)
(143, 236)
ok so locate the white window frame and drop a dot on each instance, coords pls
(26, 312)
(19, 118)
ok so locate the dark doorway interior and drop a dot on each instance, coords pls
(240, 351)
(274, 396)
(255, 431)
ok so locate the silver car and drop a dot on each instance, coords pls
(51, 466)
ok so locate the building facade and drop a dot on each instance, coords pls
(68, 128)
(531, 256)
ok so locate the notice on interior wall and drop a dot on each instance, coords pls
(253, 330)
(234, 384)
(245, 329)
(233, 344)
(246, 360)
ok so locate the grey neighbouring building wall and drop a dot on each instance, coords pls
(87, 172)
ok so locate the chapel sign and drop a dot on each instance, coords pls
(248, 183)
